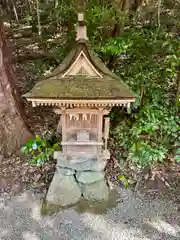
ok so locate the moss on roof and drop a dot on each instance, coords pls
(71, 57)
(110, 86)
(80, 87)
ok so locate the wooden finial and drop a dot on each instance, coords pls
(81, 30)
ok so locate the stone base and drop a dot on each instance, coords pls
(81, 157)
(79, 176)
(89, 177)
(97, 191)
(81, 162)
(89, 165)
(63, 190)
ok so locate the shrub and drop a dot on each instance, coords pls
(40, 149)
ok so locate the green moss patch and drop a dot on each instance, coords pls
(80, 87)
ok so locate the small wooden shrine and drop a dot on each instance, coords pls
(83, 91)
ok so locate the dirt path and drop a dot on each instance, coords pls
(133, 218)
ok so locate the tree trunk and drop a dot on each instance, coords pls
(30, 7)
(15, 11)
(123, 6)
(38, 17)
(13, 129)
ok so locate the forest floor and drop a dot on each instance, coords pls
(17, 175)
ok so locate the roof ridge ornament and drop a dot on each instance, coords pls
(81, 29)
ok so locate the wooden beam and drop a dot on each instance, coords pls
(82, 143)
(82, 103)
(106, 131)
(63, 124)
(92, 70)
(81, 111)
(59, 126)
(100, 123)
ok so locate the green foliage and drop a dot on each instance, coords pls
(143, 154)
(177, 156)
(40, 149)
(116, 46)
(145, 55)
(123, 180)
(150, 133)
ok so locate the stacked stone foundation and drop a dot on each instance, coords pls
(79, 177)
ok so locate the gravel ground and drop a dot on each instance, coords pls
(133, 218)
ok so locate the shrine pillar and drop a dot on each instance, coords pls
(106, 131)
(99, 128)
(63, 127)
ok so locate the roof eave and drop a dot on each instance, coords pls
(80, 102)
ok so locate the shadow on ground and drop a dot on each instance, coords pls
(132, 218)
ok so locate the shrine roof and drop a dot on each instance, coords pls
(80, 87)
(109, 86)
(81, 75)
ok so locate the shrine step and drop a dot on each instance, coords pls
(75, 158)
(81, 157)
(88, 165)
